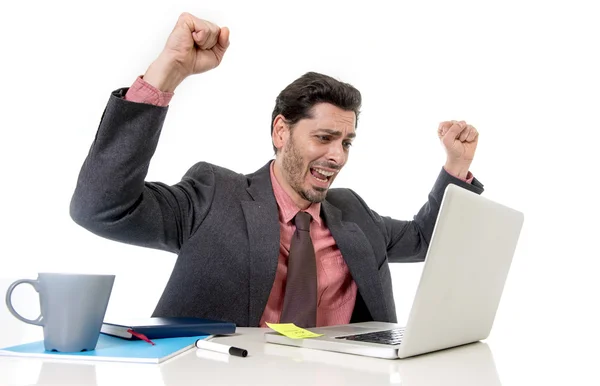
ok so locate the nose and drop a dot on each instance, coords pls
(337, 154)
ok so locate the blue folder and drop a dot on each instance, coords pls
(113, 349)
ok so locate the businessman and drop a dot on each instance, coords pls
(277, 245)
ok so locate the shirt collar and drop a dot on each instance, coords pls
(287, 207)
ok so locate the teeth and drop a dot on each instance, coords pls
(324, 172)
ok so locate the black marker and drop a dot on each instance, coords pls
(222, 348)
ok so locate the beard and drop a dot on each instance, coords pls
(293, 167)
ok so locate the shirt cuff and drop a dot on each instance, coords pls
(468, 180)
(143, 92)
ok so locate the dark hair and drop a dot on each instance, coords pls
(296, 101)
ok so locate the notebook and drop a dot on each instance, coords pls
(110, 348)
(168, 327)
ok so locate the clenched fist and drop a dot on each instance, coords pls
(194, 46)
(460, 142)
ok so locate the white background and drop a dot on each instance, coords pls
(524, 73)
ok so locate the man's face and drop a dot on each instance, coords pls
(314, 151)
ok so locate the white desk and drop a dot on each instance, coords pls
(267, 364)
(505, 361)
(534, 345)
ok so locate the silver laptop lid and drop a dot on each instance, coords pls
(464, 273)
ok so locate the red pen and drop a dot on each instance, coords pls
(141, 336)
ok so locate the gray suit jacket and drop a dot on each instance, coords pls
(224, 226)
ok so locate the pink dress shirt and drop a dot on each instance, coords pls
(336, 290)
(143, 92)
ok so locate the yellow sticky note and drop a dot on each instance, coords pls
(292, 331)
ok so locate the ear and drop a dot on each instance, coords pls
(281, 132)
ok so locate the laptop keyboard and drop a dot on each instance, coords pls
(391, 337)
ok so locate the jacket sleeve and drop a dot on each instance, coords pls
(112, 198)
(408, 241)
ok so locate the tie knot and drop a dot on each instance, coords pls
(302, 221)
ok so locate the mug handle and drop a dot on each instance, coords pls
(34, 283)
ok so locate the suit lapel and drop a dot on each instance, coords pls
(358, 254)
(262, 222)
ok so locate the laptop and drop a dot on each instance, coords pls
(461, 284)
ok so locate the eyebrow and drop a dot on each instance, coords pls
(336, 133)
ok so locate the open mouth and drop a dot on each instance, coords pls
(321, 175)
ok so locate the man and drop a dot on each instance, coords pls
(274, 246)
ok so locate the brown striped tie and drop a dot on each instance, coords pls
(300, 301)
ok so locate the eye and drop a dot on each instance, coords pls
(347, 144)
(324, 138)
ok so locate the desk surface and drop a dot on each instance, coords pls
(270, 364)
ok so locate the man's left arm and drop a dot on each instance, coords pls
(408, 241)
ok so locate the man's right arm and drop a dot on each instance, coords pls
(112, 198)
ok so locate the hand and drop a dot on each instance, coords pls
(460, 142)
(194, 46)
